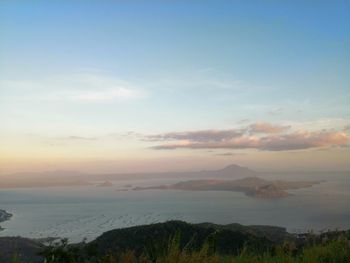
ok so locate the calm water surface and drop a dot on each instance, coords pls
(88, 211)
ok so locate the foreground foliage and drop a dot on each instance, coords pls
(333, 251)
(181, 242)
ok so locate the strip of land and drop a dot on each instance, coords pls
(251, 186)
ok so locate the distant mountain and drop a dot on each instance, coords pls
(234, 170)
(42, 179)
(45, 174)
(231, 171)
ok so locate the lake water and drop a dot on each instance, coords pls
(88, 211)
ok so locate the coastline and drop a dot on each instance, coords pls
(4, 216)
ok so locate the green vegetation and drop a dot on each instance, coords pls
(334, 251)
(180, 242)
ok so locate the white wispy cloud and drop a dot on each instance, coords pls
(85, 87)
(116, 93)
(206, 80)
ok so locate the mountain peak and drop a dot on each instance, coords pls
(236, 170)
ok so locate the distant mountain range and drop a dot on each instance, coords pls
(72, 178)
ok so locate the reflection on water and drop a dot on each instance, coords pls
(88, 211)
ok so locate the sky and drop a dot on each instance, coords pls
(131, 86)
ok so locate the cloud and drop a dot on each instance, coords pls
(197, 136)
(275, 111)
(218, 135)
(84, 87)
(242, 142)
(263, 127)
(263, 136)
(78, 138)
(228, 154)
(66, 140)
(117, 93)
(304, 140)
(242, 121)
(207, 80)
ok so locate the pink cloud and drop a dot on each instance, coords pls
(304, 140)
(242, 142)
(283, 142)
(264, 127)
(198, 136)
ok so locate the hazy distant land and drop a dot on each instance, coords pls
(73, 178)
(230, 178)
(88, 211)
(105, 184)
(251, 186)
(45, 179)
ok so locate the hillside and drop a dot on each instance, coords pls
(177, 241)
(23, 249)
(229, 239)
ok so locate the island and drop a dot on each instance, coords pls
(251, 186)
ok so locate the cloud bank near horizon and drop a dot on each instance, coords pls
(259, 136)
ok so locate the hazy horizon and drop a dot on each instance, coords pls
(142, 170)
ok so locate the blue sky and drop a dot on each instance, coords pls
(104, 69)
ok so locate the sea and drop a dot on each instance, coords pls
(85, 212)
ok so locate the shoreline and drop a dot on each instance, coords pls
(4, 216)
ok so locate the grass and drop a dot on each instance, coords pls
(334, 251)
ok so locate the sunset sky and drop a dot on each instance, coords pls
(129, 86)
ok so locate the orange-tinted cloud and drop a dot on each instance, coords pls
(198, 136)
(218, 135)
(270, 142)
(304, 140)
